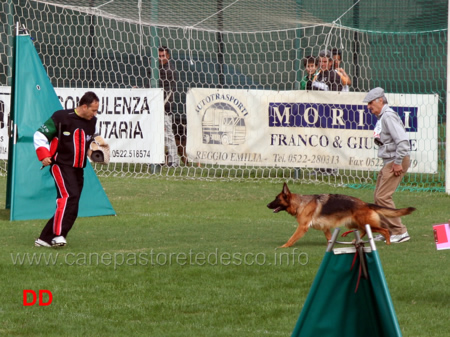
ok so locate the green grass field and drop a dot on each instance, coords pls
(195, 258)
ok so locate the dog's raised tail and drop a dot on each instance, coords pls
(391, 212)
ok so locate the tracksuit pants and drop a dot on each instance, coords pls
(69, 184)
(387, 183)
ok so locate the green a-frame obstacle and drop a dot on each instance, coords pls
(349, 296)
(31, 192)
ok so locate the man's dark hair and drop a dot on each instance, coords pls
(336, 51)
(310, 59)
(88, 98)
(165, 49)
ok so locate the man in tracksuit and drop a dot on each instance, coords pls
(393, 147)
(63, 142)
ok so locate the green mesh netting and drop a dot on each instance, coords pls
(231, 44)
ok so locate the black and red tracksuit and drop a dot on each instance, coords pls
(66, 138)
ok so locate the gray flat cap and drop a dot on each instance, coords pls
(374, 94)
(325, 53)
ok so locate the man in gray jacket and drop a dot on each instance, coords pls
(393, 147)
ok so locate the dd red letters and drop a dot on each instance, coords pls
(41, 302)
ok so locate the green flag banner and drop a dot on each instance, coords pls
(31, 192)
(334, 309)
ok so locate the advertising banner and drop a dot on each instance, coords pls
(5, 100)
(303, 129)
(130, 120)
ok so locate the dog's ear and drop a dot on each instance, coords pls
(286, 189)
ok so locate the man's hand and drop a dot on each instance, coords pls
(397, 169)
(345, 79)
(46, 161)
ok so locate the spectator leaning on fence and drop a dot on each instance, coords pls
(327, 79)
(393, 148)
(345, 79)
(311, 64)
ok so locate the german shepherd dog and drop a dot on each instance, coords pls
(326, 211)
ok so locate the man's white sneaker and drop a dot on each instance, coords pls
(41, 243)
(400, 238)
(379, 237)
(58, 241)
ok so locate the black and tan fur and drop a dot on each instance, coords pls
(327, 211)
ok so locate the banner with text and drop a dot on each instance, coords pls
(303, 129)
(130, 120)
(5, 101)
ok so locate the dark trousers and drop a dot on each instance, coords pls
(69, 184)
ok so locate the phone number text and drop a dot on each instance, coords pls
(130, 153)
(305, 159)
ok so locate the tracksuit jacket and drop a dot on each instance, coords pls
(73, 134)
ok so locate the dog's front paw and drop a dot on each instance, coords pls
(286, 245)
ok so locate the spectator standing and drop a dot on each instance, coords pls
(168, 81)
(311, 64)
(345, 78)
(327, 79)
(393, 148)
